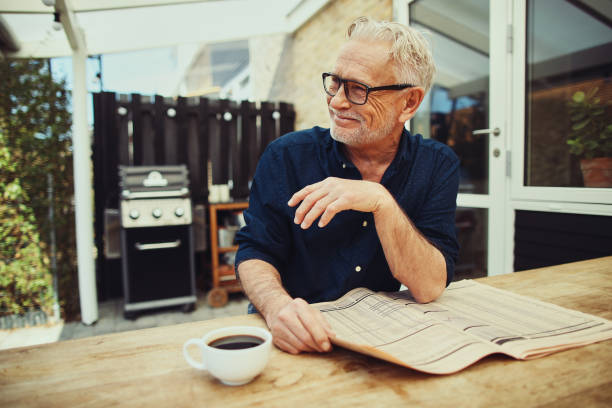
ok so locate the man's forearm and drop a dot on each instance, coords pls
(412, 259)
(262, 284)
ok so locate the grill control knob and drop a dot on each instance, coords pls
(134, 214)
(157, 213)
(179, 211)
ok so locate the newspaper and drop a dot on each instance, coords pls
(468, 322)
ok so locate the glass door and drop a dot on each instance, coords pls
(467, 109)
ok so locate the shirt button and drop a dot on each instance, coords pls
(344, 165)
(365, 224)
(358, 268)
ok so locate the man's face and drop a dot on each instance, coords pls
(364, 125)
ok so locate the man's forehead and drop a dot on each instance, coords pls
(364, 61)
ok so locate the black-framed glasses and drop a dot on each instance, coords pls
(356, 92)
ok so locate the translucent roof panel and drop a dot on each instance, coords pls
(114, 26)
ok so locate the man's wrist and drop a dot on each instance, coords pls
(385, 201)
(274, 307)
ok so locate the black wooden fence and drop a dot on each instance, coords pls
(218, 140)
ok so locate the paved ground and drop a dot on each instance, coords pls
(111, 320)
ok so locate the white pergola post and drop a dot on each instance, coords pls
(81, 154)
(83, 191)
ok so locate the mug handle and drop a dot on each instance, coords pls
(191, 361)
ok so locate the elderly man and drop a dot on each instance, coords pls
(364, 203)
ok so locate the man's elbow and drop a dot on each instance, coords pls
(429, 293)
(431, 287)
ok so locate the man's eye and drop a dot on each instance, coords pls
(357, 90)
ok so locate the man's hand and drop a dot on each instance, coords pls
(298, 327)
(295, 325)
(332, 195)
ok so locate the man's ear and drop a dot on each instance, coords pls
(411, 102)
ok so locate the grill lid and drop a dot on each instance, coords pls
(170, 180)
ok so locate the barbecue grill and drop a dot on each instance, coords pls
(156, 238)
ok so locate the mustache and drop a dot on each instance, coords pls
(346, 115)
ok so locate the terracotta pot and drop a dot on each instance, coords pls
(597, 172)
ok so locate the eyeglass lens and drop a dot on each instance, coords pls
(355, 92)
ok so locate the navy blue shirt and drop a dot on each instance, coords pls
(322, 264)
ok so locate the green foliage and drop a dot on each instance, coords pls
(34, 141)
(25, 282)
(591, 131)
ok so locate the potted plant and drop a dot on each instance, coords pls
(590, 137)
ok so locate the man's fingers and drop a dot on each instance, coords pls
(327, 198)
(331, 210)
(299, 196)
(316, 329)
(310, 205)
(315, 211)
(298, 335)
(299, 327)
(292, 328)
(287, 340)
(285, 346)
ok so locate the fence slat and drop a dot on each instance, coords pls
(221, 169)
(182, 127)
(193, 156)
(201, 192)
(159, 130)
(122, 120)
(111, 153)
(147, 137)
(246, 148)
(287, 118)
(268, 125)
(137, 142)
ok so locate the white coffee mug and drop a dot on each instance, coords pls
(235, 355)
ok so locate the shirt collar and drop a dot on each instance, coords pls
(402, 154)
(339, 155)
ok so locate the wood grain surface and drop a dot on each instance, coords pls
(146, 367)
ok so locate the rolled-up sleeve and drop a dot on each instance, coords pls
(266, 235)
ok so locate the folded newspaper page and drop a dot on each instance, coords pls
(468, 322)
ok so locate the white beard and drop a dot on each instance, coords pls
(362, 135)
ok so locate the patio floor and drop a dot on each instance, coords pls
(111, 320)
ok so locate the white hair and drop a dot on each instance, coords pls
(410, 51)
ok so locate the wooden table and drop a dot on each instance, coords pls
(146, 367)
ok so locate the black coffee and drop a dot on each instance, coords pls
(237, 342)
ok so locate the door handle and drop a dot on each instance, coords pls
(495, 131)
(157, 245)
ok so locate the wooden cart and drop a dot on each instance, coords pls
(223, 275)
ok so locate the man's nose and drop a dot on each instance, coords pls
(339, 100)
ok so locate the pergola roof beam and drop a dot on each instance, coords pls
(75, 35)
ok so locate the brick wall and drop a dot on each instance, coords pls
(312, 50)
(265, 53)
(199, 75)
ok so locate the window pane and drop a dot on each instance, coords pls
(471, 225)
(458, 101)
(569, 50)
